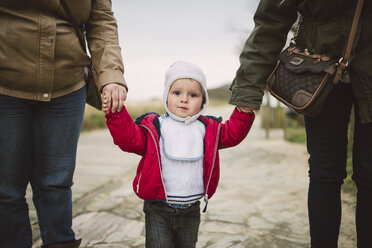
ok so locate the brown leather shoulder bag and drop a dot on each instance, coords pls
(302, 80)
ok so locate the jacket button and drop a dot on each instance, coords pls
(50, 39)
(45, 95)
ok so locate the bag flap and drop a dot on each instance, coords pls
(298, 61)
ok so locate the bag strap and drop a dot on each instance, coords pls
(344, 60)
(76, 26)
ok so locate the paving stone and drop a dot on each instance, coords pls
(259, 223)
(229, 241)
(104, 202)
(129, 230)
(125, 190)
(223, 227)
(103, 227)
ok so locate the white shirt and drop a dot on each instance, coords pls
(182, 153)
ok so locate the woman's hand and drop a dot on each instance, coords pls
(113, 96)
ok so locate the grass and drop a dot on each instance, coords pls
(295, 132)
(95, 119)
(349, 185)
(137, 109)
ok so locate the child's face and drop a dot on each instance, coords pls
(185, 98)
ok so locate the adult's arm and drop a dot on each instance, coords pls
(103, 43)
(273, 20)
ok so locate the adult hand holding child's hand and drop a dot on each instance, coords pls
(113, 96)
(245, 109)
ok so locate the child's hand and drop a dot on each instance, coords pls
(245, 109)
(105, 105)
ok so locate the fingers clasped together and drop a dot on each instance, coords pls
(245, 109)
(113, 97)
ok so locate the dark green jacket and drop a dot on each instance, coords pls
(324, 30)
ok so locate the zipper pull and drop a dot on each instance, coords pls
(206, 203)
(138, 182)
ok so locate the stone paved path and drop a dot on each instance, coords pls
(260, 202)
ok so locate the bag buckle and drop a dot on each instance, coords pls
(344, 62)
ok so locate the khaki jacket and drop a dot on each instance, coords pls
(324, 30)
(40, 54)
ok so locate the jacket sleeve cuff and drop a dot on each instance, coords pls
(243, 97)
(117, 115)
(242, 115)
(109, 115)
(109, 77)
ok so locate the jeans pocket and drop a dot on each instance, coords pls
(195, 207)
(147, 205)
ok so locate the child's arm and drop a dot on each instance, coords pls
(234, 130)
(126, 134)
(245, 109)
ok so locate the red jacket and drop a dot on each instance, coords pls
(142, 138)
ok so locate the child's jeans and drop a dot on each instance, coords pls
(171, 227)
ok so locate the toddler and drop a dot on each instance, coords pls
(180, 161)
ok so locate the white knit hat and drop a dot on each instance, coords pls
(180, 70)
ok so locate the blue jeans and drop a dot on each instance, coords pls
(168, 227)
(327, 142)
(38, 142)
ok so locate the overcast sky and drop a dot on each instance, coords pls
(154, 34)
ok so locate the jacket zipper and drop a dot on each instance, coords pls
(213, 162)
(138, 182)
(158, 154)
